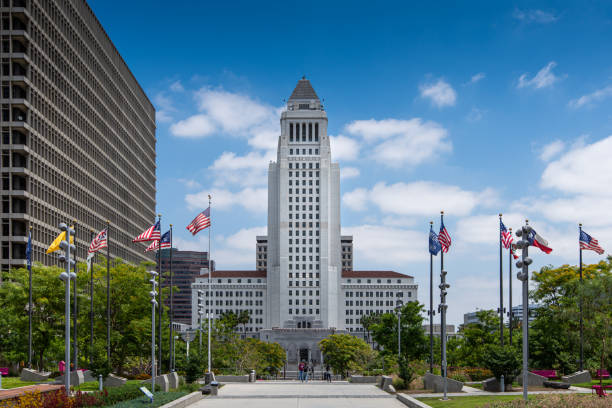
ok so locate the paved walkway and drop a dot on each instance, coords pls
(293, 394)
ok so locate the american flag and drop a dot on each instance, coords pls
(444, 238)
(200, 222)
(589, 243)
(164, 242)
(506, 236)
(99, 242)
(153, 233)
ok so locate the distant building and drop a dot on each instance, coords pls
(186, 266)
(450, 330)
(517, 311)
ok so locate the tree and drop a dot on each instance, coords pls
(502, 361)
(243, 318)
(476, 337)
(414, 342)
(346, 353)
(367, 321)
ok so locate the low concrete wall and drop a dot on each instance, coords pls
(33, 375)
(173, 380)
(411, 402)
(534, 380)
(492, 385)
(385, 382)
(232, 378)
(362, 379)
(76, 378)
(578, 377)
(114, 381)
(436, 383)
(185, 401)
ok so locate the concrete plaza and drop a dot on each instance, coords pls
(290, 394)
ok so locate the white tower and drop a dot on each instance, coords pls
(304, 265)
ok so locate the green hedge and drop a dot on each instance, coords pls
(159, 399)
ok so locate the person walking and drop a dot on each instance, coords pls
(306, 368)
(327, 373)
(301, 371)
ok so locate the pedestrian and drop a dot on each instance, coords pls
(312, 373)
(301, 371)
(306, 368)
(327, 373)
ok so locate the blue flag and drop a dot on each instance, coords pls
(434, 244)
(29, 250)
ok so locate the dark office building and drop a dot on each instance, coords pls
(77, 133)
(186, 266)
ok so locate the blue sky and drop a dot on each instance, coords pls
(473, 108)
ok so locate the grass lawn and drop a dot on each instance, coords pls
(93, 385)
(467, 402)
(593, 382)
(159, 399)
(14, 382)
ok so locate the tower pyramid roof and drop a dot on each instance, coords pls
(303, 90)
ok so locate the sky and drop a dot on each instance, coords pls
(475, 108)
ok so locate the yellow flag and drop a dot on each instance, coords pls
(55, 244)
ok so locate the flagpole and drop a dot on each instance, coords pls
(30, 302)
(91, 302)
(170, 366)
(501, 287)
(510, 316)
(443, 314)
(108, 313)
(431, 312)
(209, 282)
(161, 301)
(580, 301)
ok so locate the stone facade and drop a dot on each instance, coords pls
(304, 287)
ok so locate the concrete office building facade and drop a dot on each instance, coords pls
(78, 133)
(304, 287)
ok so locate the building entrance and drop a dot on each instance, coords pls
(304, 354)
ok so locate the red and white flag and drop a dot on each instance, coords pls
(99, 242)
(200, 222)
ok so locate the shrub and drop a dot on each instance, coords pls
(399, 384)
(194, 369)
(502, 361)
(142, 376)
(478, 373)
(406, 371)
(458, 377)
(159, 399)
(553, 401)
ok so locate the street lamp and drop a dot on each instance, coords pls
(523, 276)
(398, 309)
(66, 277)
(153, 294)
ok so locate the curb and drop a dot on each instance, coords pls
(411, 402)
(185, 401)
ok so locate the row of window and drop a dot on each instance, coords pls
(371, 294)
(297, 283)
(306, 132)
(297, 151)
(297, 311)
(297, 302)
(310, 166)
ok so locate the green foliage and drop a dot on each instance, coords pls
(502, 361)
(159, 399)
(478, 374)
(415, 344)
(459, 377)
(346, 353)
(399, 384)
(406, 371)
(196, 364)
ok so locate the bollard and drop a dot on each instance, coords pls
(214, 387)
(502, 387)
(100, 382)
(252, 376)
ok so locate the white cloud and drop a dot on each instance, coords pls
(475, 115)
(585, 169)
(404, 142)
(343, 148)
(164, 108)
(551, 150)
(356, 200)
(189, 183)
(386, 245)
(349, 172)
(176, 86)
(248, 170)
(251, 199)
(484, 229)
(535, 16)
(440, 93)
(232, 114)
(589, 99)
(195, 126)
(477, 78)
(543, 79)
(419, 198)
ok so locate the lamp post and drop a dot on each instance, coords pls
(523, 275)
(442, 310)
(66, 277)
(398, 309)
(153, 294)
